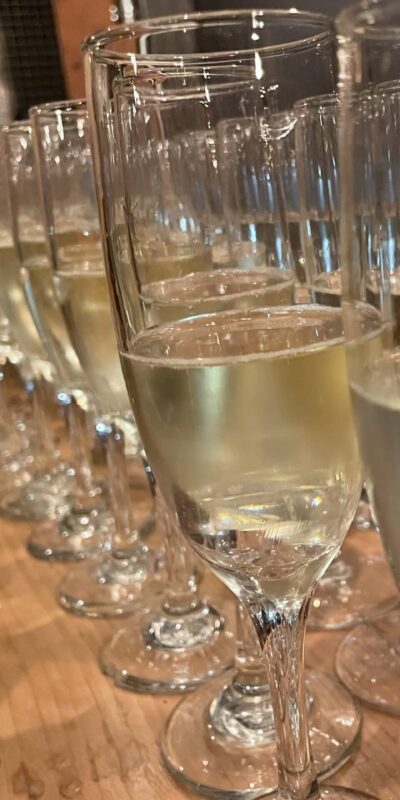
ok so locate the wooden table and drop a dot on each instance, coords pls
(67, 732)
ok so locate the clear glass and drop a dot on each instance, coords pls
(16, 454)
(370, 73)
(20, 346)
(283, 125)
(79, 533)
(165, 647)
(231, 720)
(295, 44)
(310, 54)
(228, 383)
(316, 140)
(343, 597)
(76, 285)
(46, 492)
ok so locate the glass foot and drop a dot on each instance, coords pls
(363, 518)
(85, 522)
(51, 542)
(343, 596)
(368, 662)
(341, 793)
(45, 496)
(238, 760)
(104, 588)
(34, 503)
(158, 652)
(13, 481)
(77, 535)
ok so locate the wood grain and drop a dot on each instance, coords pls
(67, 732)
(75, 20)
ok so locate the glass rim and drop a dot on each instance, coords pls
(388, 88)
(270, 314)
(317, 103)
(255, 277)
(96, 43)
(21, 126)
(206, 89)
(60, 108)
(363, 20)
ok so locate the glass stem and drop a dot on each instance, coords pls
(41, 418)
(125, 539)
(281, 635)
(81, 456)
(149, 474)
(250, 674)
(182, 595)
(4, 412)
(242, 712)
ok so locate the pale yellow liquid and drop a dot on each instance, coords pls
(76, 250)
(83, 294)
(85, 305)
(38, 281)
(218, 290)
(246, 420)
(376, 397)
(15, 306)
(160, 261)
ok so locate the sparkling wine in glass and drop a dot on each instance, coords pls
(343, 598)
(247, 422)
(372, 83)
(79, 533)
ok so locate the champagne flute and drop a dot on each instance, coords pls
(368, 660)
(81, 529)
(167, 645)
(105, 586)
(266, 512)
(43, 493)
(232, 715)
(343, 597)
(305, 40)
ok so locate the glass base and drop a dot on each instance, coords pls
(160, 653)
(342, 793)
(51, 542)
(85, 522)
(77, 536)
(33, 504)
(15, 453)
(105, 588)
(343, 596)
(238, 760)
(363, 519)
(368, 663)
(13, 482)
(45, 496)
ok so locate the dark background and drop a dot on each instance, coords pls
(154, 8)
(40, 58)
